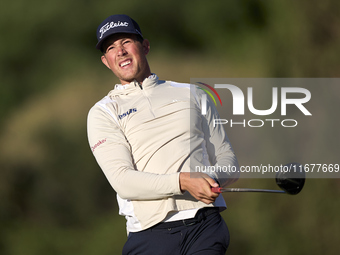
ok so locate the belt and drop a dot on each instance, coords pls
(200, 215)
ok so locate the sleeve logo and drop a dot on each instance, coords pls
(100, 142)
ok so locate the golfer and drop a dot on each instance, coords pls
(148, 136)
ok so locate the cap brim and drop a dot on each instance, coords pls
(100, 43)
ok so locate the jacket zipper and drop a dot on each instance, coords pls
(148, 100)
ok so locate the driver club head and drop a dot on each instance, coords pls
(291, 179)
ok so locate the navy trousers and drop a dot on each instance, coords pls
(208, 236)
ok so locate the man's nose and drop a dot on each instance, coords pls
(121, 51)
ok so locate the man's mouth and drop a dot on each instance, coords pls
(125, 63)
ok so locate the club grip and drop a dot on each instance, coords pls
(216, 190)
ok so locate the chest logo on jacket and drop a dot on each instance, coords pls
(127, 113)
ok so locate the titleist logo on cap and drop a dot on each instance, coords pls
(110, 25)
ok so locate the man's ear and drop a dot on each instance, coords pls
(104, 60)
(146, 46)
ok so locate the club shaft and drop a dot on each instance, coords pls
(219, 190)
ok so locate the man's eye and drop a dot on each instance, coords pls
(127, 41)
(109, 48)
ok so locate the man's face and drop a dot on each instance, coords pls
(125, 56)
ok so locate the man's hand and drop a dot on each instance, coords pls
(199, 186)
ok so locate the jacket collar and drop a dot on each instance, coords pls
(120, 89)
(151, 80)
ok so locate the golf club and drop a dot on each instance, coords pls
(291, 181)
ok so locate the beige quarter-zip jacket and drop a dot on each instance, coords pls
(143, 136)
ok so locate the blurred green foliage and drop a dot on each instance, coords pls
(54, 198)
